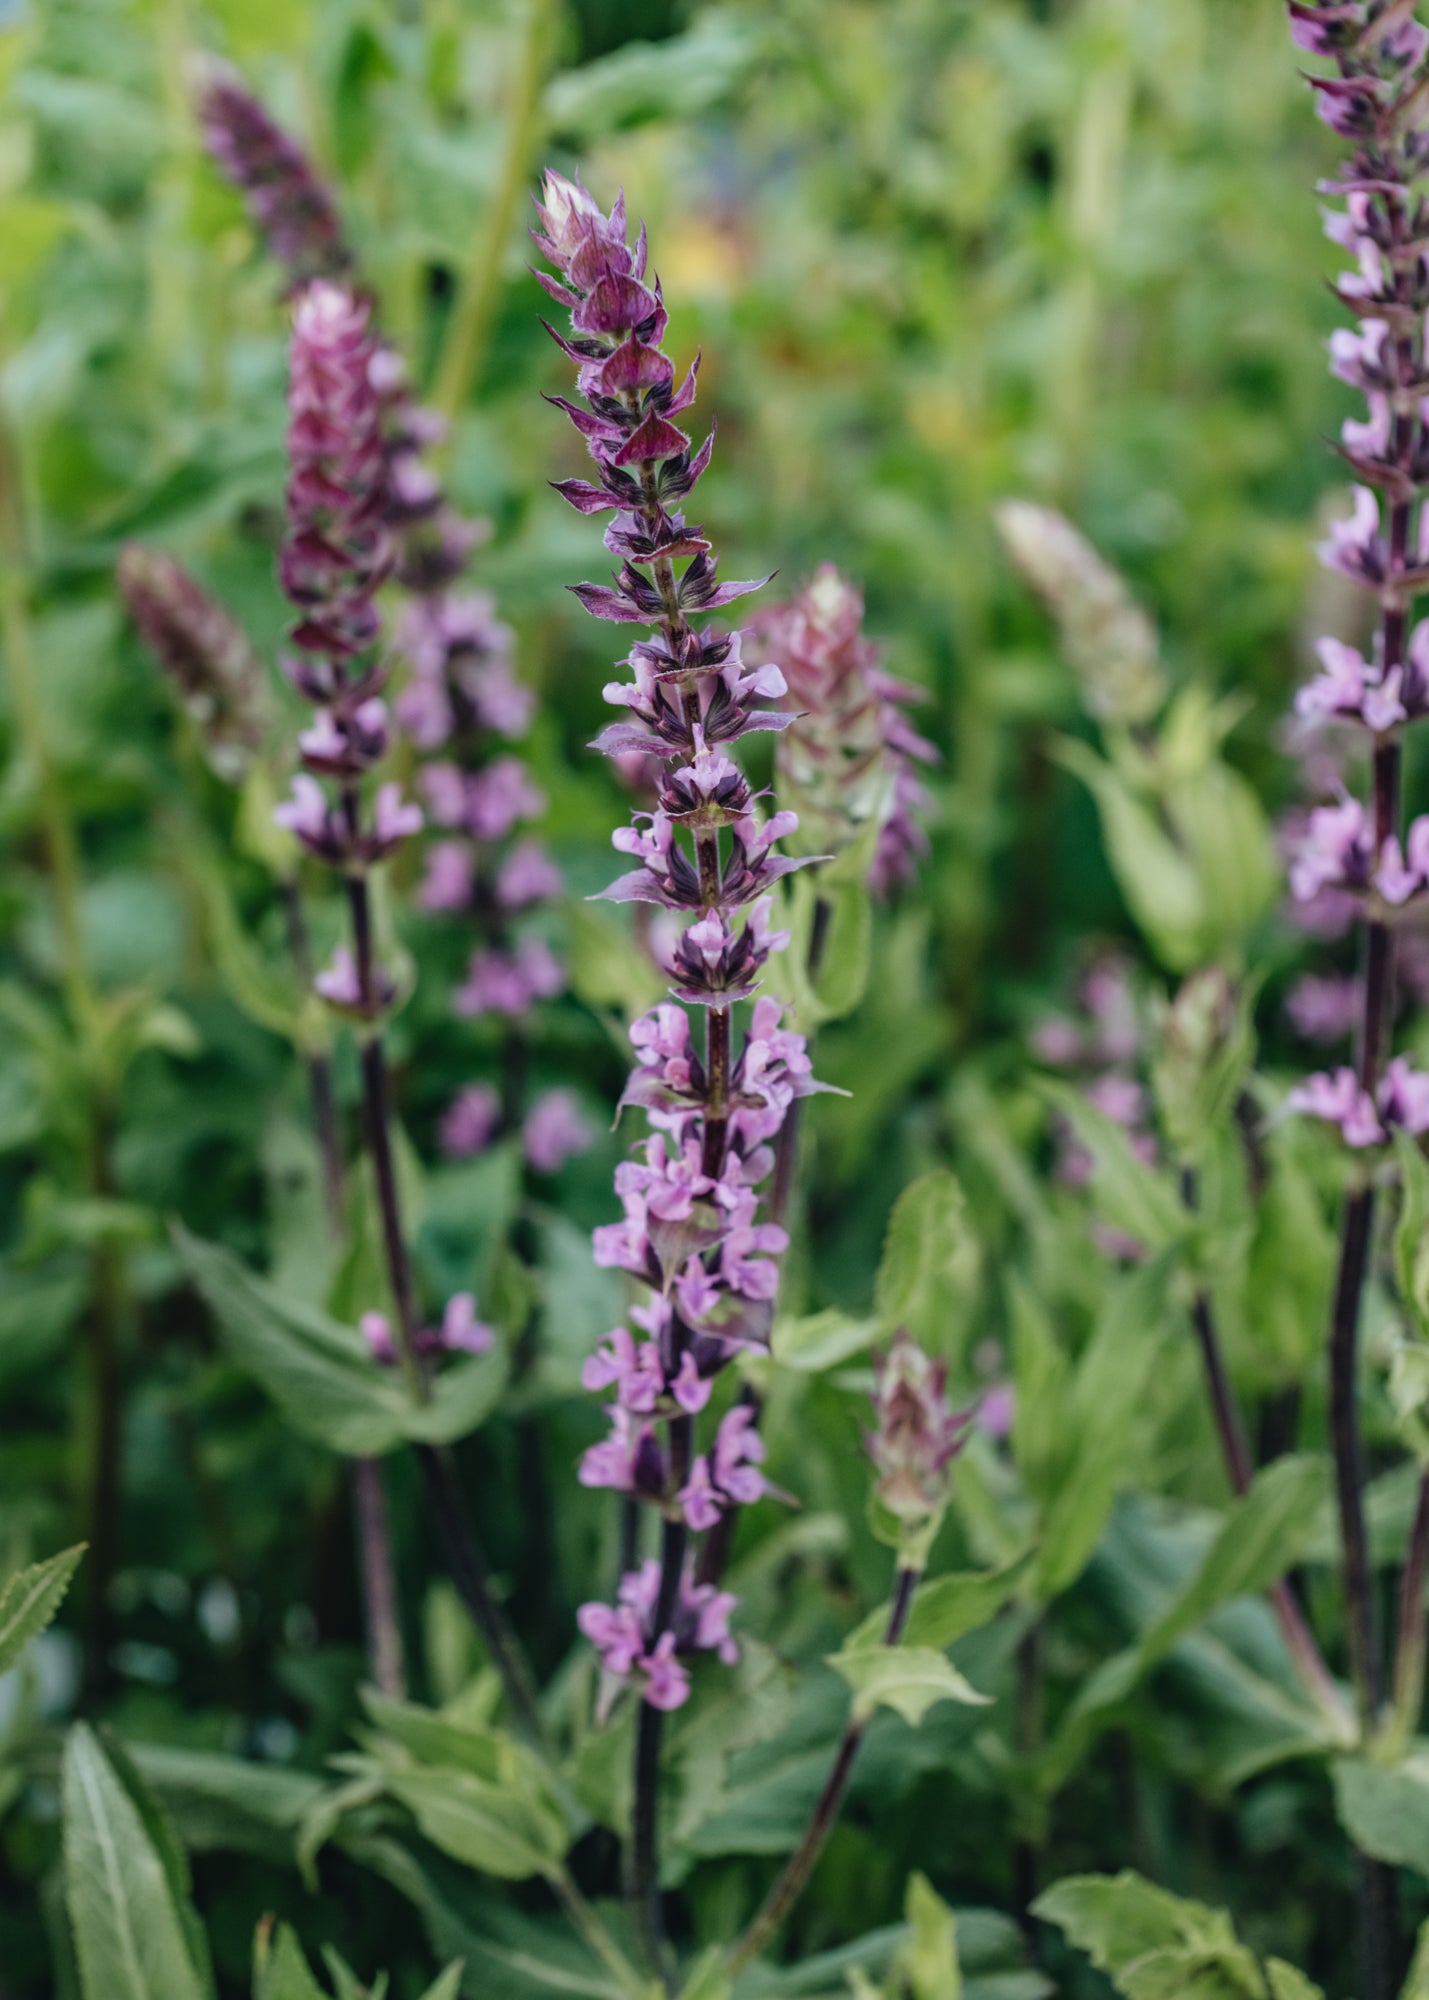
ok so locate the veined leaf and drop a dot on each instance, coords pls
(1385, 1808)
(947, 1607)
(1264, 1535)
(906, 1678)
(30, 1600)
(1151, 1944)
(930, 1260)
(129, 1933)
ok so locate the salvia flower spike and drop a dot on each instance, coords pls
(336, 555)
(288, 202)
(690, 1231)
(1378, 99)
(850, 755)
(205, 655)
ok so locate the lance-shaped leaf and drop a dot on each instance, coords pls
(30, 1600)
(321, 1374)
(132, 1939)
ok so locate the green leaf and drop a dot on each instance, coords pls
(708, 1979)
(30, 1600)
(481, 1797)
(1151, 1944)
(218, 1802)
(129, 1933)
(1133, 1197)
(678, 78)
(930, 1261)
(319, 1374)
(281, 1972)
(1157, 879)
(1288, 1983)
(948, 1607)
(1100, 1417)
(490, 1827)
(447, 1984)
(929, 1960)
(822, 1340)
(906, 1678)
(1385, 1808)
(1263, 1536)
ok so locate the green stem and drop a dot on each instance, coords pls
(56, 826)
(590, 1927)
(800, 1865)
(480, 284)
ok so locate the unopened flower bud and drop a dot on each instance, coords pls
(204, 653)
(1109, 642)
(915, 1437)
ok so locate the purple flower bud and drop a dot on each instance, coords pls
(849, 755)
(462, 1332)
(287, 203)
(204, 654)
(376, 1330)
(554, 1132)
(470, 1122)
(450, 877)
(916, 1434)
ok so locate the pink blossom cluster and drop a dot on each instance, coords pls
(1400, 1102)
(461, 703)
(851, 755)
(633, 1652)
(1337, 851)
(286, 200)
(460, 1332)
(691, 1229)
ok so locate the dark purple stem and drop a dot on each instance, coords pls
(800, 1865)
(463, 1552)
(649, 1733)
(1230, 1429)
(380, 1605)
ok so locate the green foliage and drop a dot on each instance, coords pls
(1153, 1945)
(30, 1599)
(125, 1890)
(322, 1376)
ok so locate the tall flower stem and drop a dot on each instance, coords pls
(380, 1602)
(463, 1553)
(1357, 1228)
(800, 1865)
(480, 286)
(1230, 1429)
(649, 1733)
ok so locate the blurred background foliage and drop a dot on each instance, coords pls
(934, 252)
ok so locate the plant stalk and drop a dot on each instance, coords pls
(800, 1865)
(463, 1552)
(380, 1603)
(479, 288)
(1316, 1677)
